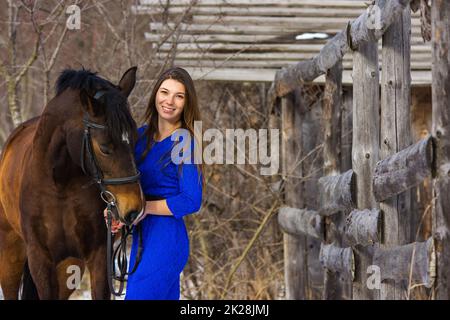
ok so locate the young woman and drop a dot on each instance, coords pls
(172, 190)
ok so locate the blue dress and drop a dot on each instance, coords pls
(165, 239)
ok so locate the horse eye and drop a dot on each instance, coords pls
(105, 150)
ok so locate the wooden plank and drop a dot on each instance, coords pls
(311, 23)
(366, 130)
(403, 170)
(335, 287)
(277, 56)
(301, 222)
(440, 21)
(337, 193)
(296, 269)
(419, 78)
(249, 11)
(262, 29)
(410, 264)
(265, 47)
(363, 227)
(290, 3)
(232, 63)
(398, 215)
(312, 136)
(396, 136)
(268, 31)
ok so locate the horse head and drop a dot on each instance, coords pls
(100, 138)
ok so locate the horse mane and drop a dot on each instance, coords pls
(118, 117)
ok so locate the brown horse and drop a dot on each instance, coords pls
(51, 211)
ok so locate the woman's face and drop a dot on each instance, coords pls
(170, 100)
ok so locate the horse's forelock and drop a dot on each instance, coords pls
(119, 120)
(118, 117)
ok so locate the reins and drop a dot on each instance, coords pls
(119, 253)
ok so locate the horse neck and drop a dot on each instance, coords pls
(56, 114)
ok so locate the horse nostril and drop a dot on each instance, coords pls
(129, 219)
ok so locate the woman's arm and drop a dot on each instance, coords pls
(157, 207)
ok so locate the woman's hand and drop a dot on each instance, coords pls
(115, 224)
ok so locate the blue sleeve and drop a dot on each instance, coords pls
(189, 199)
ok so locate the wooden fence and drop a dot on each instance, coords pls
(364, 219)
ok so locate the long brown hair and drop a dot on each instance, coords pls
(190, 113)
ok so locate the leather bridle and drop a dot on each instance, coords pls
(87, 152)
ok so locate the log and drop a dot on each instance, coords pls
(338, 260)
(363, 227)
(440, 16)
(337, 193)
(356, 34)
(301, 221)
(403, 170)
(395, 263)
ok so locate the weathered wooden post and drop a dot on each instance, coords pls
(295, 268)
(366, 106)
(395, 136)
(333, 285)
(440, 20)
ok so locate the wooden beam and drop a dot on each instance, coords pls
(403, 169)
(363, 227)
(420, 78)
(283, 3)
(157, 9)
(440, 20)
(235, 63)
(412, 264)
(287, 38)
(301, 222)
(337, 193)
(366, 130)
(288, 57)
(356, 34)
(335, 288)
(263, 48)
(295, 247)
(338, 260)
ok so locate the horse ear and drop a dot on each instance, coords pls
(126, 84)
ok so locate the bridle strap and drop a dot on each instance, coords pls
(116, 181)
(120, 252)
